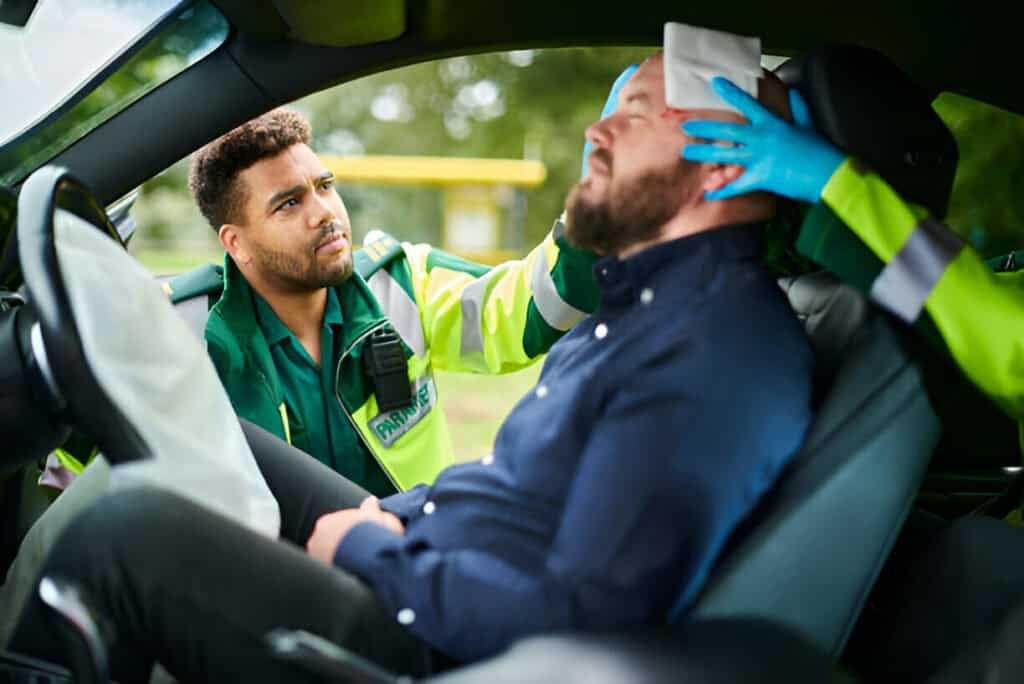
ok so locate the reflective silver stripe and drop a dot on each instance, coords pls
(904, 285)
(195, 312)
(472, 304)
(400, 308)
(553, 309)
(558, 229)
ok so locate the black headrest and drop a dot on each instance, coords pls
(870, 109)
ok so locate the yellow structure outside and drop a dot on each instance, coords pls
(443, 171)
(473, 189)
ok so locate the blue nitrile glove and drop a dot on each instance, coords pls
(609, 107)
(787, 159)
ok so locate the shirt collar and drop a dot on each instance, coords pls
(692, 258)
(332, 313)
(276, 332)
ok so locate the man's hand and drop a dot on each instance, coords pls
(789, 160)
(332, 528)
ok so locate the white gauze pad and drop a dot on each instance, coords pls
(693, 56)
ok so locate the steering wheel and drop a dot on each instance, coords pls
(54, 206)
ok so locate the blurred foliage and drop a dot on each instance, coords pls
(515, 105)
(536, 104)
(523, 104)
(987, 206)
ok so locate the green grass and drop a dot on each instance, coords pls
(476, 406)
(162, 262)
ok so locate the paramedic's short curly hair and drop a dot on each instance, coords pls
(213, 176)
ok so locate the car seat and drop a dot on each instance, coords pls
(811, 552)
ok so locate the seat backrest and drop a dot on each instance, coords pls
(810, 553)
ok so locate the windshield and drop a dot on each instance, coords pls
(64, 45)
(58, 96)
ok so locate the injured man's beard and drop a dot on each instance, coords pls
(633, 212)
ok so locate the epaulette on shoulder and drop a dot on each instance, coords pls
(379, 249)
(207, 279)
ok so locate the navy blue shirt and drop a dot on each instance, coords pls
(656, 425)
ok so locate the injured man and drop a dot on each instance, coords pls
(655, 428)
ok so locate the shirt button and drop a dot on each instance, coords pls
(601, 331)
(488, 459)
(542, 391)
(406, 616)
(429, 508)
(646, 296)
(604, 271)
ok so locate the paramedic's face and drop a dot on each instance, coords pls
(637, 180)
(297, 230)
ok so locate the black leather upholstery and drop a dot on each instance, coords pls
(710, 652)
(809, 555)
(867, 107)
(17, 669)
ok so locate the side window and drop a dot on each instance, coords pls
(987, 206)
(472, 154)
(117, 53)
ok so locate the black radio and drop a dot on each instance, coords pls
(386, 365)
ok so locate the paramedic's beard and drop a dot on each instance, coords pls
(305, 270)
(632, 211)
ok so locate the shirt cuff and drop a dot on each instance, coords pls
(360, 548)
(405, 504)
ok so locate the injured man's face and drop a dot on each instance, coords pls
(637, 180)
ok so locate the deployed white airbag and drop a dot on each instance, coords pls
(160, 378)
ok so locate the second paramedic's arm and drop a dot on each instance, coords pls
(927, 267)
(500, 319)
(980, 314)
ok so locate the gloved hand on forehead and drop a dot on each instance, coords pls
(787, 159)
(609, 108)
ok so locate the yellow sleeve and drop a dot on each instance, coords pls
(980, 314)
(495, 320)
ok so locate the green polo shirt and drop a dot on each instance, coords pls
(317, 422)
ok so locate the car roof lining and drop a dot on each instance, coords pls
(258, 68)
(902, 31)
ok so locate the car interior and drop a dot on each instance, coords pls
(796, 579)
